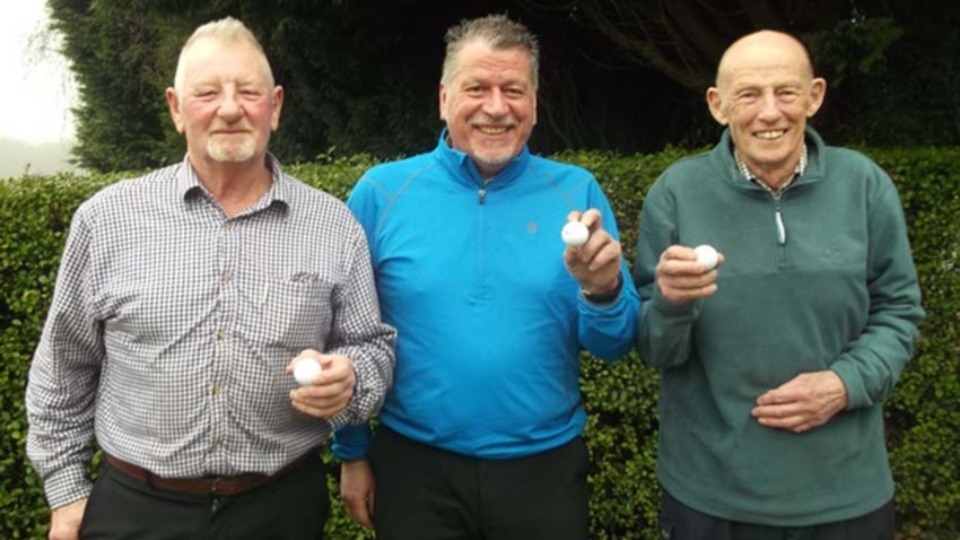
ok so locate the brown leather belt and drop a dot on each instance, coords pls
(217, 486)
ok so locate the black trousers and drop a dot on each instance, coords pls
(424, 493)
(680, 522)
(293, 506)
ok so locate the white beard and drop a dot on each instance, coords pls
(225, 152)
(495, 160)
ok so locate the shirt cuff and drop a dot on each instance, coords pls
(604, 298)
(350, 443)
(67, 485)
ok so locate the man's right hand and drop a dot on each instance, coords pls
(65, 521)
(596, 264)
(357, 487)
(331, 390)
(681, 278)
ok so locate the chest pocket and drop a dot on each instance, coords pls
(294, 313)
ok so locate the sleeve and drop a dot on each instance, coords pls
(359, 334)
(62, 386)
(666, 330)
(870, 366)
(350, 442)
(609, 331)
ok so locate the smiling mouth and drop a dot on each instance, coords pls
(493, 130)
(770, 135)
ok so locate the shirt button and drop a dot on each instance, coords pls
(225, 276)
(228, 225)
(221, 334)
(217, 390)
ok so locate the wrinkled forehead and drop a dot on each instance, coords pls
(479, 53)
(765, 56)
(481, 56)
(223, 58)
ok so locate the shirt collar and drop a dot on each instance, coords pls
(748, 174)
(457, 160)
(188, 184)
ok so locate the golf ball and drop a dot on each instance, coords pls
(707, 256)
(306, 370)
(575, 233)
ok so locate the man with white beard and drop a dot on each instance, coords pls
(183, 299)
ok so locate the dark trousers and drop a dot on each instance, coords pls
(680, 522)
(293, 506)
(424, 493)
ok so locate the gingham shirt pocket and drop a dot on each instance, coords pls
(295, 312)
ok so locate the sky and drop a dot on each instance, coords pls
(37, 90)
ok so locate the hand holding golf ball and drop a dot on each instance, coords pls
(685, 274)
(327, 382)
(592, 255)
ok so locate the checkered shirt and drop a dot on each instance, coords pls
(171, 326)
(748, 174)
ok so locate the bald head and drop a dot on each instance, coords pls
(763, 49)
(765, 92)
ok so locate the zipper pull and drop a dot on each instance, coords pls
(481, 195)
(781, 229)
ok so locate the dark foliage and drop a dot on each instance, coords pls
(627, 75)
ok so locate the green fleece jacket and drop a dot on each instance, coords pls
(818, 278)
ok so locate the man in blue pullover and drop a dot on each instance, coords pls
(480, 435)
(774, 367)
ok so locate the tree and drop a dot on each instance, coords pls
(684, 39)
(624, 75)
(117, 50)
(891, 64)
(353, 82)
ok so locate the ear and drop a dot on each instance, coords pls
(277, 105)
(715, 103)
(443, 102)
(818, 89)
(173, 102)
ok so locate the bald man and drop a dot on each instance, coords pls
(775, 364)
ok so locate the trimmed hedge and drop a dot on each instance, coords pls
(922, 417)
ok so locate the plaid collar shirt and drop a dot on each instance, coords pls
(746, 173)
(171, 326)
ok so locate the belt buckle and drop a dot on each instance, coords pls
(215, 486)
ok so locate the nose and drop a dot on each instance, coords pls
(230, 108)
(495, 104)
(769, 107)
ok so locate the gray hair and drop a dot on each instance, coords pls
(226, 30)
(496, 31)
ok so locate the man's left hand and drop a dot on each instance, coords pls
(596, 264)
(807, 401)
(330, 391)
